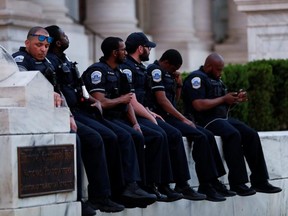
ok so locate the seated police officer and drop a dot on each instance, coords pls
(120, 150)
(205, 96)
(138, 48)
(205, 153)
(107, 83)
(33, 57)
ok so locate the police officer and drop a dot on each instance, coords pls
(109, 85)
(208, 163)
(33, 57)
(71, 82)
(138, 47)
(206, 97)
(89, 147)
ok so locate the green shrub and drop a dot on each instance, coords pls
(280, 96)
(257, 79)
(179, 104)
(260, 91)
(235, 78)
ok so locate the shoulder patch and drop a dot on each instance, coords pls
(19, 58)
(128, 73)
(196, 82)
(156, 75)
(96, 77)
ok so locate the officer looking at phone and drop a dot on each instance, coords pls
(206, 98)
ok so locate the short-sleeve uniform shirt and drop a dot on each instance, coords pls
(199, 85)
(137, 77)
(161, 80)
(100, 77)
(26, 62)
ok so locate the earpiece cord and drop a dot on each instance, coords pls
(226, 118)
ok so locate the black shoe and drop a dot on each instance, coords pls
(134, 194)
(221, 189)
(153, 189)
(266, 188)
(171, 194)
(87, 209)
(189, 193)
(129, 203)
(211, 193)
(242, 190)
(106, 205)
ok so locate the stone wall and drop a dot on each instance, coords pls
(276, 153)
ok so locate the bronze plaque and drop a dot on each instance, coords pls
(45, 170)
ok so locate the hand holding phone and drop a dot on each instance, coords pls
(242, 96)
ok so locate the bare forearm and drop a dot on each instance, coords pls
(178, 94)
(110, 103)
(140, 110)
(131, 115)
(169, 108)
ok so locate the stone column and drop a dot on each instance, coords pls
(234, 49)
(203, 32)
(110, 17)
(23, 15)
(26, 14)
(171, 20)
(202, 22)
(172, 26)
(54, 10)
(267, 28)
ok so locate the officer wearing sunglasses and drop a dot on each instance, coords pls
(42, 38)
(33, 55)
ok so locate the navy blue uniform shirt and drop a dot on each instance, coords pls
(161, 80)
(198, 85)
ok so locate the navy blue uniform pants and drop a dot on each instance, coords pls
(149, 147)
(177, 152)
(208, 164)
(90, 148)
(158, 164)
(239, 140)
(120, 151)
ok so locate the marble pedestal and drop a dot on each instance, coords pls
(52, 204)
(29, 119)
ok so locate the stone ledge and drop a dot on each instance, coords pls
(276, 154)
(63, 209)
(257, 205)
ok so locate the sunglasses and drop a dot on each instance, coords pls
(42, 38)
